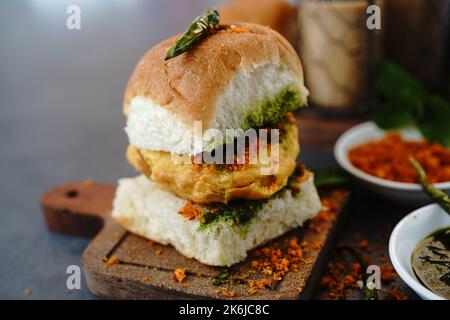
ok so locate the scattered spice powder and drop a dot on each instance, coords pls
(179, 274)
(340, 277)
(252, 289)
(394, 294)
(363, 244)
(189, 211)
(343, 276)
(388, 273)
(388, 159)
(112, 260)
(271, 263)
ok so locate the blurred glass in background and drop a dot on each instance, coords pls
(339, 52)
(336, 53)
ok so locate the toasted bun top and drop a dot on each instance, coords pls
(189, 85)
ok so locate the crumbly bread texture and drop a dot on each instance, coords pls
(227, 79)
(144, 209)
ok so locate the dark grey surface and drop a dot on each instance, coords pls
(60, 97)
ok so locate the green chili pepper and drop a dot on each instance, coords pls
(438, 196)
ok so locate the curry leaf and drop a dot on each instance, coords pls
(199, 28)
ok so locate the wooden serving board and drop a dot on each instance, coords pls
(121, 265)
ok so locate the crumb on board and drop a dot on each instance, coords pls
(251, 290)
(179, 274)
(87, 183)
(27, 292)
(225, 293)
(111, 260)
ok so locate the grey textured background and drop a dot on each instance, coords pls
(60, 99)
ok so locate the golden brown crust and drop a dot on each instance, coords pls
(135, 158)
(206, 183)
(189, 85)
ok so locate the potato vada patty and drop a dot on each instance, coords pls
(206, 183)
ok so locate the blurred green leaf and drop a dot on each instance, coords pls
(401, 96)
(435, 122)
(403, 101)
(391, 81)
(330, 177)
(392, 115)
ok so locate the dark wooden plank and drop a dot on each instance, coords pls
(144, 270)
(78, 207)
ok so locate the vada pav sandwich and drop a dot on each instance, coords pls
(226, 95)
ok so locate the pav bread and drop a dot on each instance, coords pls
(245, 76)
(241, 79)
(145, 209)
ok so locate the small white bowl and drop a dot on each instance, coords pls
(412, 229)
(410, 194)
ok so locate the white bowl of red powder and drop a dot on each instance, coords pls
(378, 159)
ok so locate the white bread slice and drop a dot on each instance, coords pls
(144, 209)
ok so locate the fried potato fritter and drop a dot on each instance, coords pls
(208, 183)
